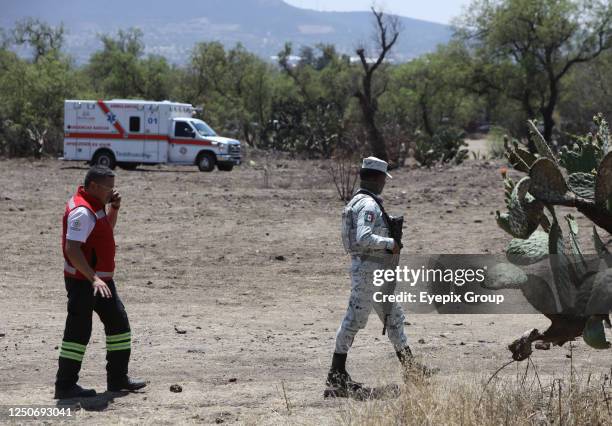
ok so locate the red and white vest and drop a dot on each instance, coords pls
(99, 249)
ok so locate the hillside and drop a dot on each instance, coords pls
(262, 26)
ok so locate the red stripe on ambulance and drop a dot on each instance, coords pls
(175, 141)
(107, 111)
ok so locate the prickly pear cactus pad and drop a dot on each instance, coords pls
(548, 184)
(601, 249)
(582, 184)
(518, 157)
(504, 275)
(603, 184)
(594, 334)
(529, 251)
(524, 211)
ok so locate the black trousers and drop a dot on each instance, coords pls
(81, 305)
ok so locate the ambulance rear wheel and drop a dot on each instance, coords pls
(104, 158)
(206, 162)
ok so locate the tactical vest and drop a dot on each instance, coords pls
(99, 249)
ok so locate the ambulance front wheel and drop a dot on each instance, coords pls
(104, 158)
(206, 161)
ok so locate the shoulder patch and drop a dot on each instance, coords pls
(75, 225)
(369, 217)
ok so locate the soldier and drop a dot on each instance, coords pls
(365, 235)
(89, 263)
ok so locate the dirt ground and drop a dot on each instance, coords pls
(199, 252)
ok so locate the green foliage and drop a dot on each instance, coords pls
(497, 137)
(31, 102)
(586, 91)
(120, 69)
(233, 86)
(312, 118)
(446, 145)
(427, 93)
(524, 49)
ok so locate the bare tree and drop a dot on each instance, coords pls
(42, 37)
(387, 32)
(344, 172)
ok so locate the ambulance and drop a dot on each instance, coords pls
(127, 133)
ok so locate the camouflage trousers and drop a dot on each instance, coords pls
(361, 303)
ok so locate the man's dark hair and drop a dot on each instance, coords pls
(369, 174)
(97, 174)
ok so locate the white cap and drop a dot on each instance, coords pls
(374, 163)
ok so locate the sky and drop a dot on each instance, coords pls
(441, 11)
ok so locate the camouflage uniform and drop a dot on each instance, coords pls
(364, 234)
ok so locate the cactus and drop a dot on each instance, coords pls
(603, 184)
(528, 251)
(582, 184)
(588, 151)
(539, 141)
(524, 211)
(601, 249)
(505, 275)
(579, 299)
(548, 183)
(518, 157)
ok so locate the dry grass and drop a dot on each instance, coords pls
(521, 399)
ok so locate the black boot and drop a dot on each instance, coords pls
(74, 391)
(411, 365)
(338, 377)
(66, 380)
(125, 384)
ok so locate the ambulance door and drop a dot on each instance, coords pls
(82, 129)
(154, 144)
(182, 142)
(133, 147)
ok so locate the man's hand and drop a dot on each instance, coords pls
(115, 201)
(100, 286)
(396, 248)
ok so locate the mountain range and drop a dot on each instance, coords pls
(172, 27)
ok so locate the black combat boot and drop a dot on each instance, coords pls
(125, 384)
(73, 391)
(412, 366)
(338, 377)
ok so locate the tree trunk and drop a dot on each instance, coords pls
(425, 117)
(375, 138)
(549, 110)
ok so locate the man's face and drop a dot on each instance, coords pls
(102, 190)
(381, 180)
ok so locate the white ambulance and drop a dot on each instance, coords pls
(127, 133)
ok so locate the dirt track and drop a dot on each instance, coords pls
(197, 251)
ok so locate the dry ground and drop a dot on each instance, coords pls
(197, 251)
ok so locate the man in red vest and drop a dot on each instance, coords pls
(89, 264)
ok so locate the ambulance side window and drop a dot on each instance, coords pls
(134, 124)
(183, 130)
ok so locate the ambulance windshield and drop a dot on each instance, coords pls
(203, 128)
